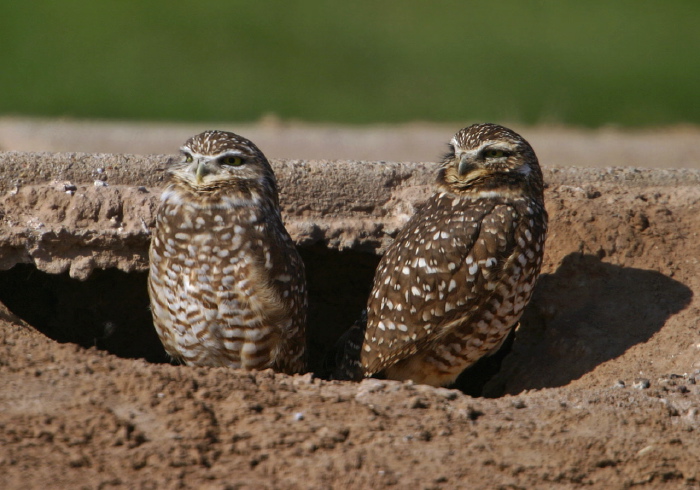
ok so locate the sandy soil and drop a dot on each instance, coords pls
(599, 387)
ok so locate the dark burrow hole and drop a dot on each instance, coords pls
(109, 310)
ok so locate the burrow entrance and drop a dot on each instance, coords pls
(110, 311)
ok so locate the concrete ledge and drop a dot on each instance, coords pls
(79, 211)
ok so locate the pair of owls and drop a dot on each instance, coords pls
(227, 285)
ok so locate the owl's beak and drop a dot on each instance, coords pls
(201, 171)
(464, 164)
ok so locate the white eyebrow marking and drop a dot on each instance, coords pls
(232, 152)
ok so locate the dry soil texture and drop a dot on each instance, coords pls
(599, 387)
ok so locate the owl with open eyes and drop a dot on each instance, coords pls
(458, 276)
(226, 283)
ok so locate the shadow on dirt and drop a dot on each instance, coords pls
(108, 311)
(584, 314)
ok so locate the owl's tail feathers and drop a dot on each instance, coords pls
(343, 360)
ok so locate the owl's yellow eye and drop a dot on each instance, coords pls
(494, 153)
(233, 161)
(188, 158)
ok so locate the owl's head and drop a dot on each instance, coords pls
(489, 157)
(220, 161)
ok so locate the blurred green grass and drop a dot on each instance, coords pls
(588, 63)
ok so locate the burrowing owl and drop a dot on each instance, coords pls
(227, 285)
(459, 274)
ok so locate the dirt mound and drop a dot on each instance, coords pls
(598, 387)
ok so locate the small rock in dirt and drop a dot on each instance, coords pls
(67, 187)
(418, 402)
(672, 411)
(306, 379)
(447, 394)
(645, 450)
(641, 383)
(310, 446)
(619, 384)
(425, 436)
(370, 385)
(519, 404)
(327, 438)
(592, 193)
(471, 413)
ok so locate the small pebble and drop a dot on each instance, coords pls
(471, 413)
(672, 411)
(447, 394)
(519, 404)
(619, 384)
(418, 402)
(641, 384)
(645, 450)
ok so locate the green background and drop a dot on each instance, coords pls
(589, 63)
